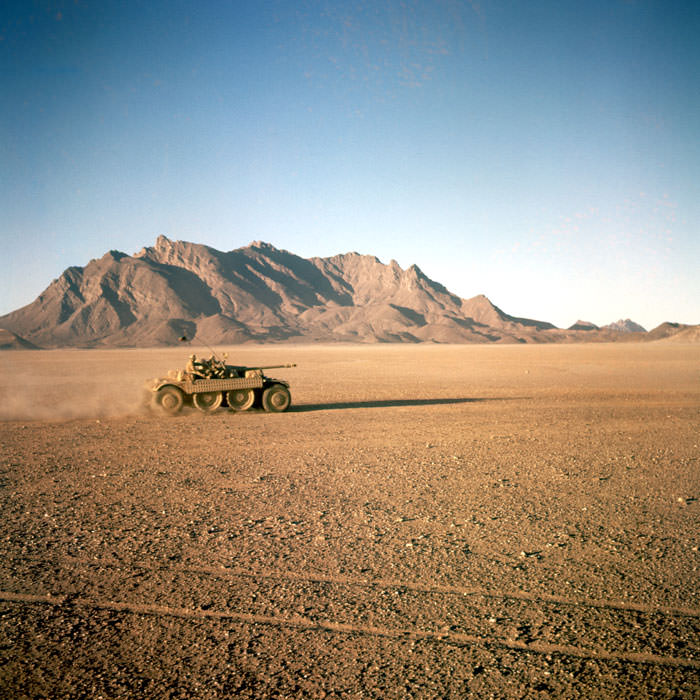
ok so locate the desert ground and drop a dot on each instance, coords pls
(426, 521)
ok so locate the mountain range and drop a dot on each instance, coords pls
(259, 293)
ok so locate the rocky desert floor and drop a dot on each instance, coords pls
(425, 522)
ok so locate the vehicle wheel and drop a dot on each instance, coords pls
(276, 398)
(170, 399)
(207, 401)
(240, 399)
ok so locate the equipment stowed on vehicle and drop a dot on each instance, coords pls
(239, 388)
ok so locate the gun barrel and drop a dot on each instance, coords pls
(293, 364)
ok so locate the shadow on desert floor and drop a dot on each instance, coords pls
(387, 403)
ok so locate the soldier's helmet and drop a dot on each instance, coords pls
(193, 357)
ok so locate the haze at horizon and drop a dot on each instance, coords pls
(544, 154)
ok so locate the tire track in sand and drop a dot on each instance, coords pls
(70, 602)
(302, 577)
(516, 619)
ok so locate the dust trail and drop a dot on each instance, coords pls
(62, 385)
(33, 398)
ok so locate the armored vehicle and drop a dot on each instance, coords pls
(209, 384)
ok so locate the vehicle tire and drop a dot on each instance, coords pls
(170, 399)
(276, 398)
(207, 401)
(240, 399)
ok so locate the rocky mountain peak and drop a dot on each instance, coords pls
(262, 245)
(626, 326)
(162, 247)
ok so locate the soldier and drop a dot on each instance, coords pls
(213, 367)
(219, 367)
(205, 368)
(194, 368)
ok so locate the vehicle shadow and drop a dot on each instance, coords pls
(388, 403)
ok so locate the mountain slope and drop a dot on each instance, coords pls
(11, 341)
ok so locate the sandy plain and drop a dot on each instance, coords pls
(426, 522)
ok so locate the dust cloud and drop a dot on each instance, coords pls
(59, 385)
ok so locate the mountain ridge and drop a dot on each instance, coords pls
(259, 293)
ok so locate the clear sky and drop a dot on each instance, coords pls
(544, 153)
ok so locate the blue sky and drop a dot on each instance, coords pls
(546, 154)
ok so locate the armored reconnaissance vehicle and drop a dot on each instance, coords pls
(209, 384)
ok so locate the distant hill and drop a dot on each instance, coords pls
(689, 334)
(259, 293)
(583, 326)
(666, 330)
(676, 332)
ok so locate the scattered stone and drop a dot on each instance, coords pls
(536, 554)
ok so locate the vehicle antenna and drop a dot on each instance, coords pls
(185, 339)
